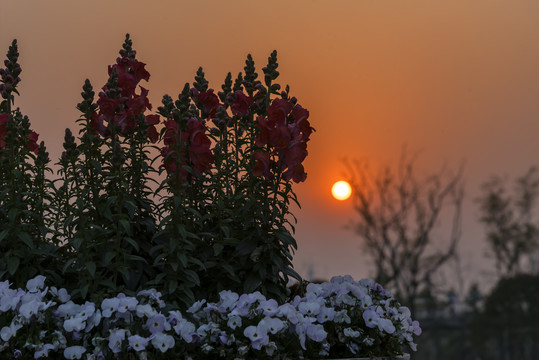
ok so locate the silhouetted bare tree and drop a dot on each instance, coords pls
(512, 233)
(397, 213)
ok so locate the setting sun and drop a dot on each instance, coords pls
(341, 190)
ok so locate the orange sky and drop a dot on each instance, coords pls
(456, 80)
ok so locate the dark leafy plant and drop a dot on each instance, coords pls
(107, 218)
(232, 200)
(223, 218)
(25, 249)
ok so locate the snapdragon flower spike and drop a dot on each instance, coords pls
(9, 76)
(285, 131)
(119, 105)
(193, 149)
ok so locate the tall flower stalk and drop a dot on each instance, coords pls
(239, 193)
(107, 199)
(25, 191)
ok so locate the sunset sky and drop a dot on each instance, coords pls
(455, 81)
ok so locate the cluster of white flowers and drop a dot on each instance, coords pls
(358, 316)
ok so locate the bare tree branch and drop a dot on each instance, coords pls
(396, 216)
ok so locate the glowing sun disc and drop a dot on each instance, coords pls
(341, 190)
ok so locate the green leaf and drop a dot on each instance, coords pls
(291, 272)
(172, 285)
(225, 230)
(12, 213)
(84, 290)
(126, 225)
(90, 266)
(109, 255)
(174, 242)
(27, 239)
(68, 264)
(251, 283)
(246, 247)
(218, 248)
(133, 243)
(3, 234)
(192, 277)
(229, 269)
(130, 207)
(255, 255)
(12, 264)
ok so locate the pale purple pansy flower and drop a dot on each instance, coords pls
(325, 314)
(127, 303)
(269, 307)
(186, 330)
(196, 306)
(74, 324)
(228, 300)
(257, 334)
(109, 306)
(68, 309)
(43, 351)
(7, 332)
(74, 352)
(351, 332)
(163, 342)
(371, 318)
(311, 308)
(137, 342)
(145, 310)
(415, 328)
(36, 284)
(115, 340)
(157, 323)
(273, 325)
(234, 321)
(29, 309)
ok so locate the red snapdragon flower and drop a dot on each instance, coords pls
(122, 112)
(31, 144)
(31, 141)
(193, 149)
(262, 165)
(207, 101)
(278, 110)
(284, 132)
(241, 103)
(151, 121)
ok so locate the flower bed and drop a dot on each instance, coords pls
(339, 317)
(222, 229)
